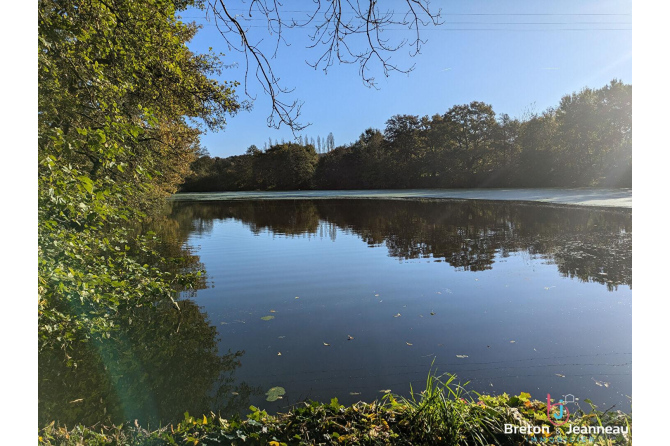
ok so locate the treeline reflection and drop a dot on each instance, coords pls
(159, 361)
(588, 244)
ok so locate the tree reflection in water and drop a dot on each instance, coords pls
(589, 244)
(160, 362)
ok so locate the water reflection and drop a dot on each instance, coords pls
(592, 245)
(218, 353)
(160, 362)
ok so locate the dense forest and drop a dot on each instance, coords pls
(585, 141)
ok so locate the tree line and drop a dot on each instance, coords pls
(584, 141)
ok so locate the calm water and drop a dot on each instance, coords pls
(510, 297)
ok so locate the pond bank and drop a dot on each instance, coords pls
(442, 416)
(611, 198)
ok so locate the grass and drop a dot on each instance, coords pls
(444, 413)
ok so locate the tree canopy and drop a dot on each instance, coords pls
(122, 102)
(585, 141)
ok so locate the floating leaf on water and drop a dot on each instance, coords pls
(408, 343)
(397, 315)
(279, 354)
(349, 337)
(600, 383)
(432, 313)
(327, 345)
(560, 376)
(462, 356)
(267, 318)
(275, 393)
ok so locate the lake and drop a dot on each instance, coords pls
(354, 298)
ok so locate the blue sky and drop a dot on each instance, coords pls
(514, 55)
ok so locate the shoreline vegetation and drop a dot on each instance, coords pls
(442, 414)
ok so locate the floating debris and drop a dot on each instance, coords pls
(408, 343)
(462, 356)
(354, 393)
(512, 342)
(385, 391)
(397, 315)
(275, 393)
(349, 337)
(327, 345)
(273, 311)
(278, 353)
(267, 318)
(432, 313)
(601, 383)
(560, 376)
(281, 337)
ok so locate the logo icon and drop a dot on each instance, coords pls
(563, 415)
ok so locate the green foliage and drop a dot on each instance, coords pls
(444, 413)
(585, 141)
(120, 96)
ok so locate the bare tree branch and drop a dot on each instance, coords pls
(343, 31)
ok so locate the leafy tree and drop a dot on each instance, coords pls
(285, 167)
(120, 99)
